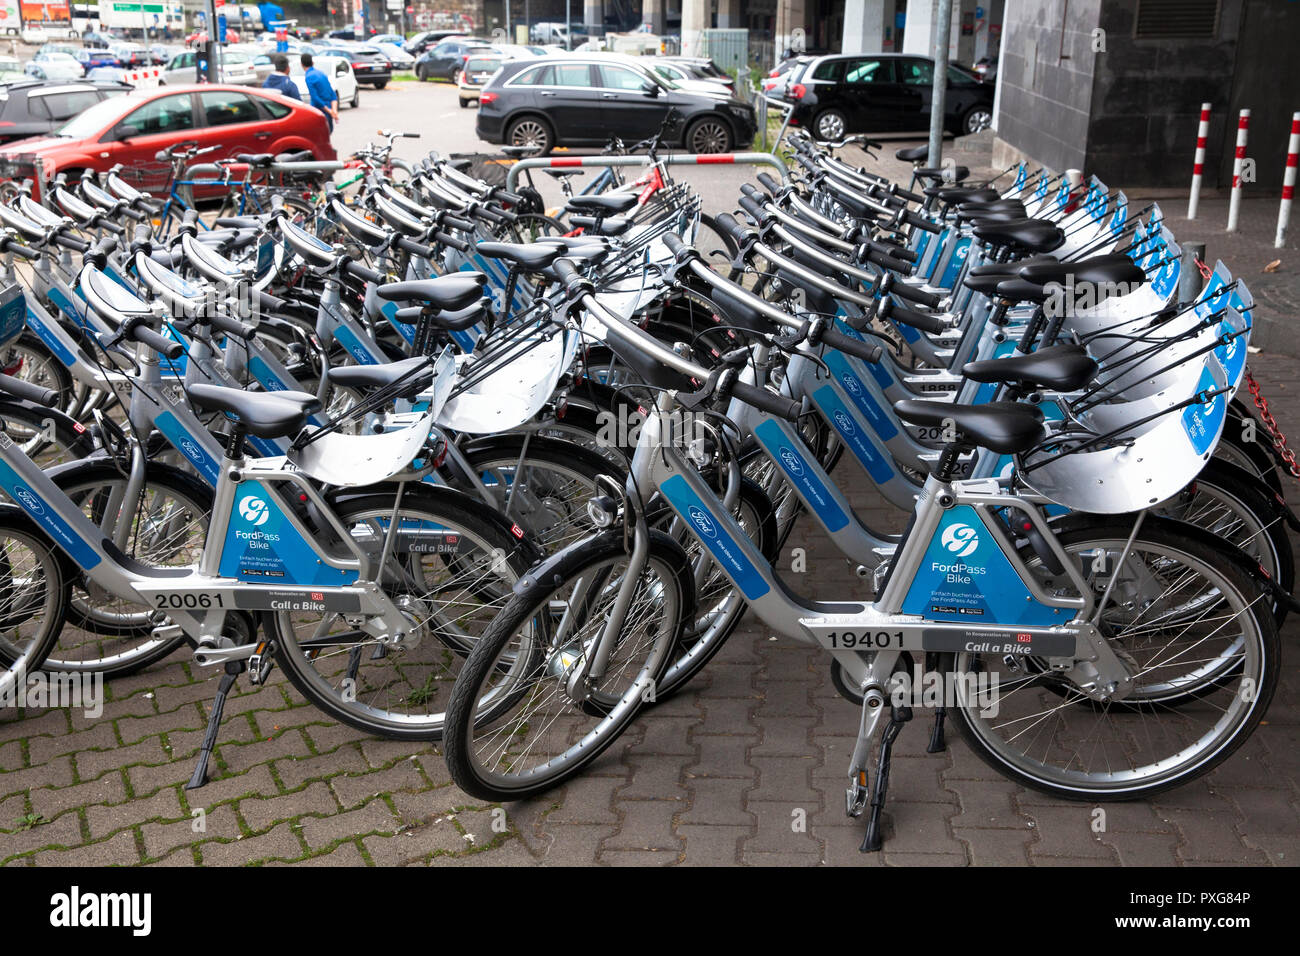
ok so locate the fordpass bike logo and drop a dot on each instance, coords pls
(29, 500)
(703, 523)
(851, 384)
(960, 539)
(254, 511)
(192, 451)
(791, 461)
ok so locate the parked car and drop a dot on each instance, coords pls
(34, 108)
(430, 38)
(131, 56)
(681, 78)
(56, 67)
(777, 82)
(91, 59)
(236, 68)
(97, 41)
(11, 70)
(446, 59)
(557, 34)
(397, 56)
(338, 70)
(834, 96)
(369, 64)
(131, 129)
(694, 69)
(261, 62)
(478, 69)
(54, 47)
(200, 37)
(518, 51)
(986, 68)
(394, 38)
(348, 33)
(583, 100)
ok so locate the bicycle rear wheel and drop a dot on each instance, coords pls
(34, 586)
(1198, 637)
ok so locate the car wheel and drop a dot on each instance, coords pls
(419, 74)
(531, 131)
(977, 118)
(830, 125)
(464, 103)
(708, 135)
(356, 97)
(381, 85)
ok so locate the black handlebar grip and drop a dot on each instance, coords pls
(505, 195)
(190, 218)
(224, 323)
(133, 214)
(416, 248)
(109, 226)
(169, 348)
(728, 223)
(893, 249)
(926, 323)
(674, 243)
(447, 239)
(18, 249)
(921, 222)
(411, 135)
(911, 293)
(886, 261)
(866, 351)
(752, 209)
(909, 196)
(455, 222)
(770, 184)
(105, 247)
(28, 391)
(363, 272)
(769, 402)
(73, 243)
(269, 302)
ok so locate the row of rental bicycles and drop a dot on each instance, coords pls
(505, 481)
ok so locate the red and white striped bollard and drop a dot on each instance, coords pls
(1288, 182)
(1202, 131)
(1238, 162)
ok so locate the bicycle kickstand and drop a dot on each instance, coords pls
(233, 670)
(898, 715)
(937, 743)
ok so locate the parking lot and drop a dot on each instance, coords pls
(746, 766)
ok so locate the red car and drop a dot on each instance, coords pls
(131, 129)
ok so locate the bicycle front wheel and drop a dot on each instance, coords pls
(515, 727)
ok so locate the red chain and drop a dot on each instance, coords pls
(1274, 432)
(1203, 269)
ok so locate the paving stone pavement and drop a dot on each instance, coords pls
(746, 767)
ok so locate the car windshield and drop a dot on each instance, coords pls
(479, 64)
(91, 120)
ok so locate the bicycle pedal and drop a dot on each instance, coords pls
(262, 662)
(856, 795)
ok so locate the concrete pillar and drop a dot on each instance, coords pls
(919, 33)
(593, 13)
(791, 25)
(695, 18)
(864, 25)
(730, 15)
(1002, 50)
(652, 14)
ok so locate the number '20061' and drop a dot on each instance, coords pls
(191, 601)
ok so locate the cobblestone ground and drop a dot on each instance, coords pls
(714, 776)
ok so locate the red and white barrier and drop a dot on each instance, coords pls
(1239, 160)
(143, 79)
(1198, 166)
(1288, 181)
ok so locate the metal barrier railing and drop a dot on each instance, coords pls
(683, 159)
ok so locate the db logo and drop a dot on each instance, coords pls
(317, 595)
(960, 539)
(703, 523)
(254, 511)
(1025, 638)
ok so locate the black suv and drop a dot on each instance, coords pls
(834, 96)
(583, 101)
(36, 107)
(369, 65)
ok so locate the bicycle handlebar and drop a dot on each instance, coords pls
(27, 391)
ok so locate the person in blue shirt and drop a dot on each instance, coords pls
(279, 79)
(321, 91)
